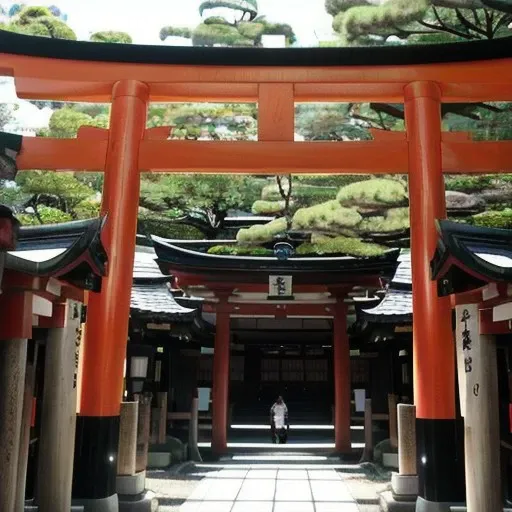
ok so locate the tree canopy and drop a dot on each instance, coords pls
(39, 21)
(242, 28)
(110, 36)
(369, 22)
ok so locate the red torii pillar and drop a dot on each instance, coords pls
(220, 392)
(97, 429)
(439, 435)
(342, 381)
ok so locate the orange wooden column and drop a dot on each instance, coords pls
(108, 312)
(433, 342)
(220, 392)
(341, 356)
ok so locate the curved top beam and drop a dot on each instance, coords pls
(17, 44)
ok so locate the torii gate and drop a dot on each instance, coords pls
(131, 76)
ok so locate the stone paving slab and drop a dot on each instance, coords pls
(275, 487)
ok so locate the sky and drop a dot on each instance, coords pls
(144, 19)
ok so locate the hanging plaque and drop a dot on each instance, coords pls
(280, 287)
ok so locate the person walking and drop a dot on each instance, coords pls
(279, 424)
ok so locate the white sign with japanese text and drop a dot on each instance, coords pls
(468, 341)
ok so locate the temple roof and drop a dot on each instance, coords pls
(468, 257)
(180, 260)
(151, 294)
(396, 306)
(72, 252)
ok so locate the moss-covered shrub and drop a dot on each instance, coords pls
(303, 195)
(468, 184)
(395, 219)
(87, 209)
(224, 35)
(328, 217)
(240, 250)
(262, 233)
(175, 32)
(151, 223)
(494, 219)
(341, 245)
(373, 194)
(47, 214)
(251, 30)
(216, 20)
(267, 207)
(375, 19)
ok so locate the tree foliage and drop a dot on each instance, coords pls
(425, 21)
(245, 28)
(111, 36)
(40, 21)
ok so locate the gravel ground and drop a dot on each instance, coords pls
(172, 487)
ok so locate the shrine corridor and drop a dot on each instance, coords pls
(293, 483)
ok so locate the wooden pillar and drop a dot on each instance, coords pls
(393, 420)
(193, 450)
(341, 356)
(368, 431)
(127, 452)
(28, 404)
(108, 312)
(220, 392)
(477, 367)
(143, 428)
(407, 439)
(58, 414)
(434, 361)
(13, 355)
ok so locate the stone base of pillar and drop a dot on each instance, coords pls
(131, 485)
(463, 509)
(388, 503)
(159, 460)
(423, 505)
(404, 487)
(110, 504)
(35, 508)
(146, 502)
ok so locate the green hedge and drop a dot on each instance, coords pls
(329, 217)
(262, 233)
(341, 245)
(239, 250)
(494, 219)
(376, 193)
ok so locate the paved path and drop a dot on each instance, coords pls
(256, 489)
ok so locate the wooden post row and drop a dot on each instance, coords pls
(127, 452)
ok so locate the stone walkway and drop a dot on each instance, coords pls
(258, 489)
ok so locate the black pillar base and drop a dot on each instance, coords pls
(95, 466)
(440, 448)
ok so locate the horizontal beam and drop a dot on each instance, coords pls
(62, 154)
(477, 157)
(69, 80)
(279, 310)
(274, 157)
(489, 326)
(229, 92)
(366, 157)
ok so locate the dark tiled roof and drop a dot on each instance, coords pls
(156, 300)
(396, 306)
(151, 294)
(403, 276)
(145, 268)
